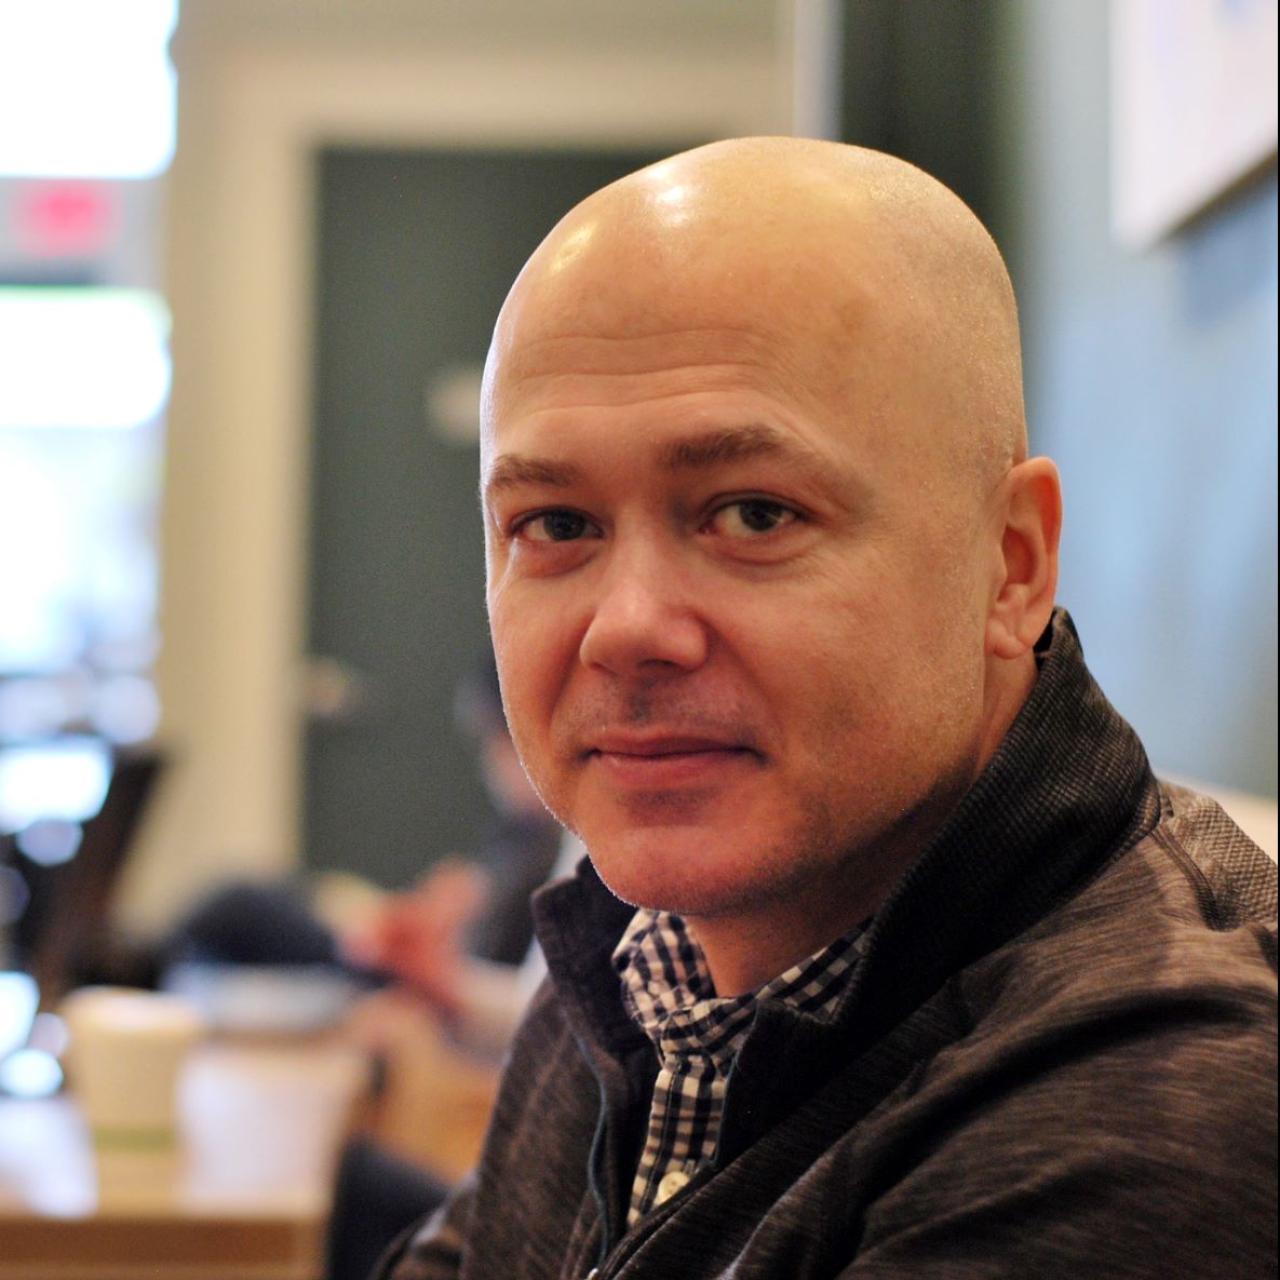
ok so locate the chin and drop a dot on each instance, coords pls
(690, 871)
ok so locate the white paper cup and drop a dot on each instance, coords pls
(126, 1052)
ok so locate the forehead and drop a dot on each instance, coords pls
(608, 369)
(685, 399)
(632, 335)
(635, 296)
(675, 340)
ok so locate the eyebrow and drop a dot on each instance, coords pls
(693, 453)
(513, 469)
(733, 444)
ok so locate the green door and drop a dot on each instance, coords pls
(416, 250)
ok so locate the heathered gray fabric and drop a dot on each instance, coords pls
(1057, 1060)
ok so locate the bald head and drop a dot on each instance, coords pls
(870, 282)
(755, 500)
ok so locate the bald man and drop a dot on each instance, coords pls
(891, 958)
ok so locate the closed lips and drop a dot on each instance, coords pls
(666, 746)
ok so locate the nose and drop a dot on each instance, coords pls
(644, 622)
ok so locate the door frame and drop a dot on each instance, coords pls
(233, 531)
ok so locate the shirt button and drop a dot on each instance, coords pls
(671, 1182)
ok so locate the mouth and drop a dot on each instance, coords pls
(662, 761)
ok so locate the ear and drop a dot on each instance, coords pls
(1027, 574)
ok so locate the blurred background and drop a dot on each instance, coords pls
(250, 253)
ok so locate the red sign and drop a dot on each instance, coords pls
(65, 219)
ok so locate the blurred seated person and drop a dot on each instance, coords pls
(457, 947)
(461, 939)
(457, 940)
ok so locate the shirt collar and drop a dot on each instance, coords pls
(668, 991)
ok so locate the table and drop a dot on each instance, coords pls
(244, 1195)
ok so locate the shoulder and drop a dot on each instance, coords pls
(1233, 879)
(1151, 989)
(1113, 1080)
(1145, 1005)
(1186, 913)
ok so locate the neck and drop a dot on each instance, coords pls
(748, 947)
(746, 950)
(1009, 684)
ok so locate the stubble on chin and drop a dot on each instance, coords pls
(697, 871)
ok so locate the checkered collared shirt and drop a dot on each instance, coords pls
(667, 990)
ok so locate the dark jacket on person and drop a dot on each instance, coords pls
(1056, 1059)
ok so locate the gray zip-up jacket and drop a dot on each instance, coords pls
(1057, 1059)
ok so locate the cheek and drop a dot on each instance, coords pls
(514, 669)
(520, 674)
(532, 648)
(859, 669)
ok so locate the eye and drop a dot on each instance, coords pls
(750, 517)
(555, 526)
